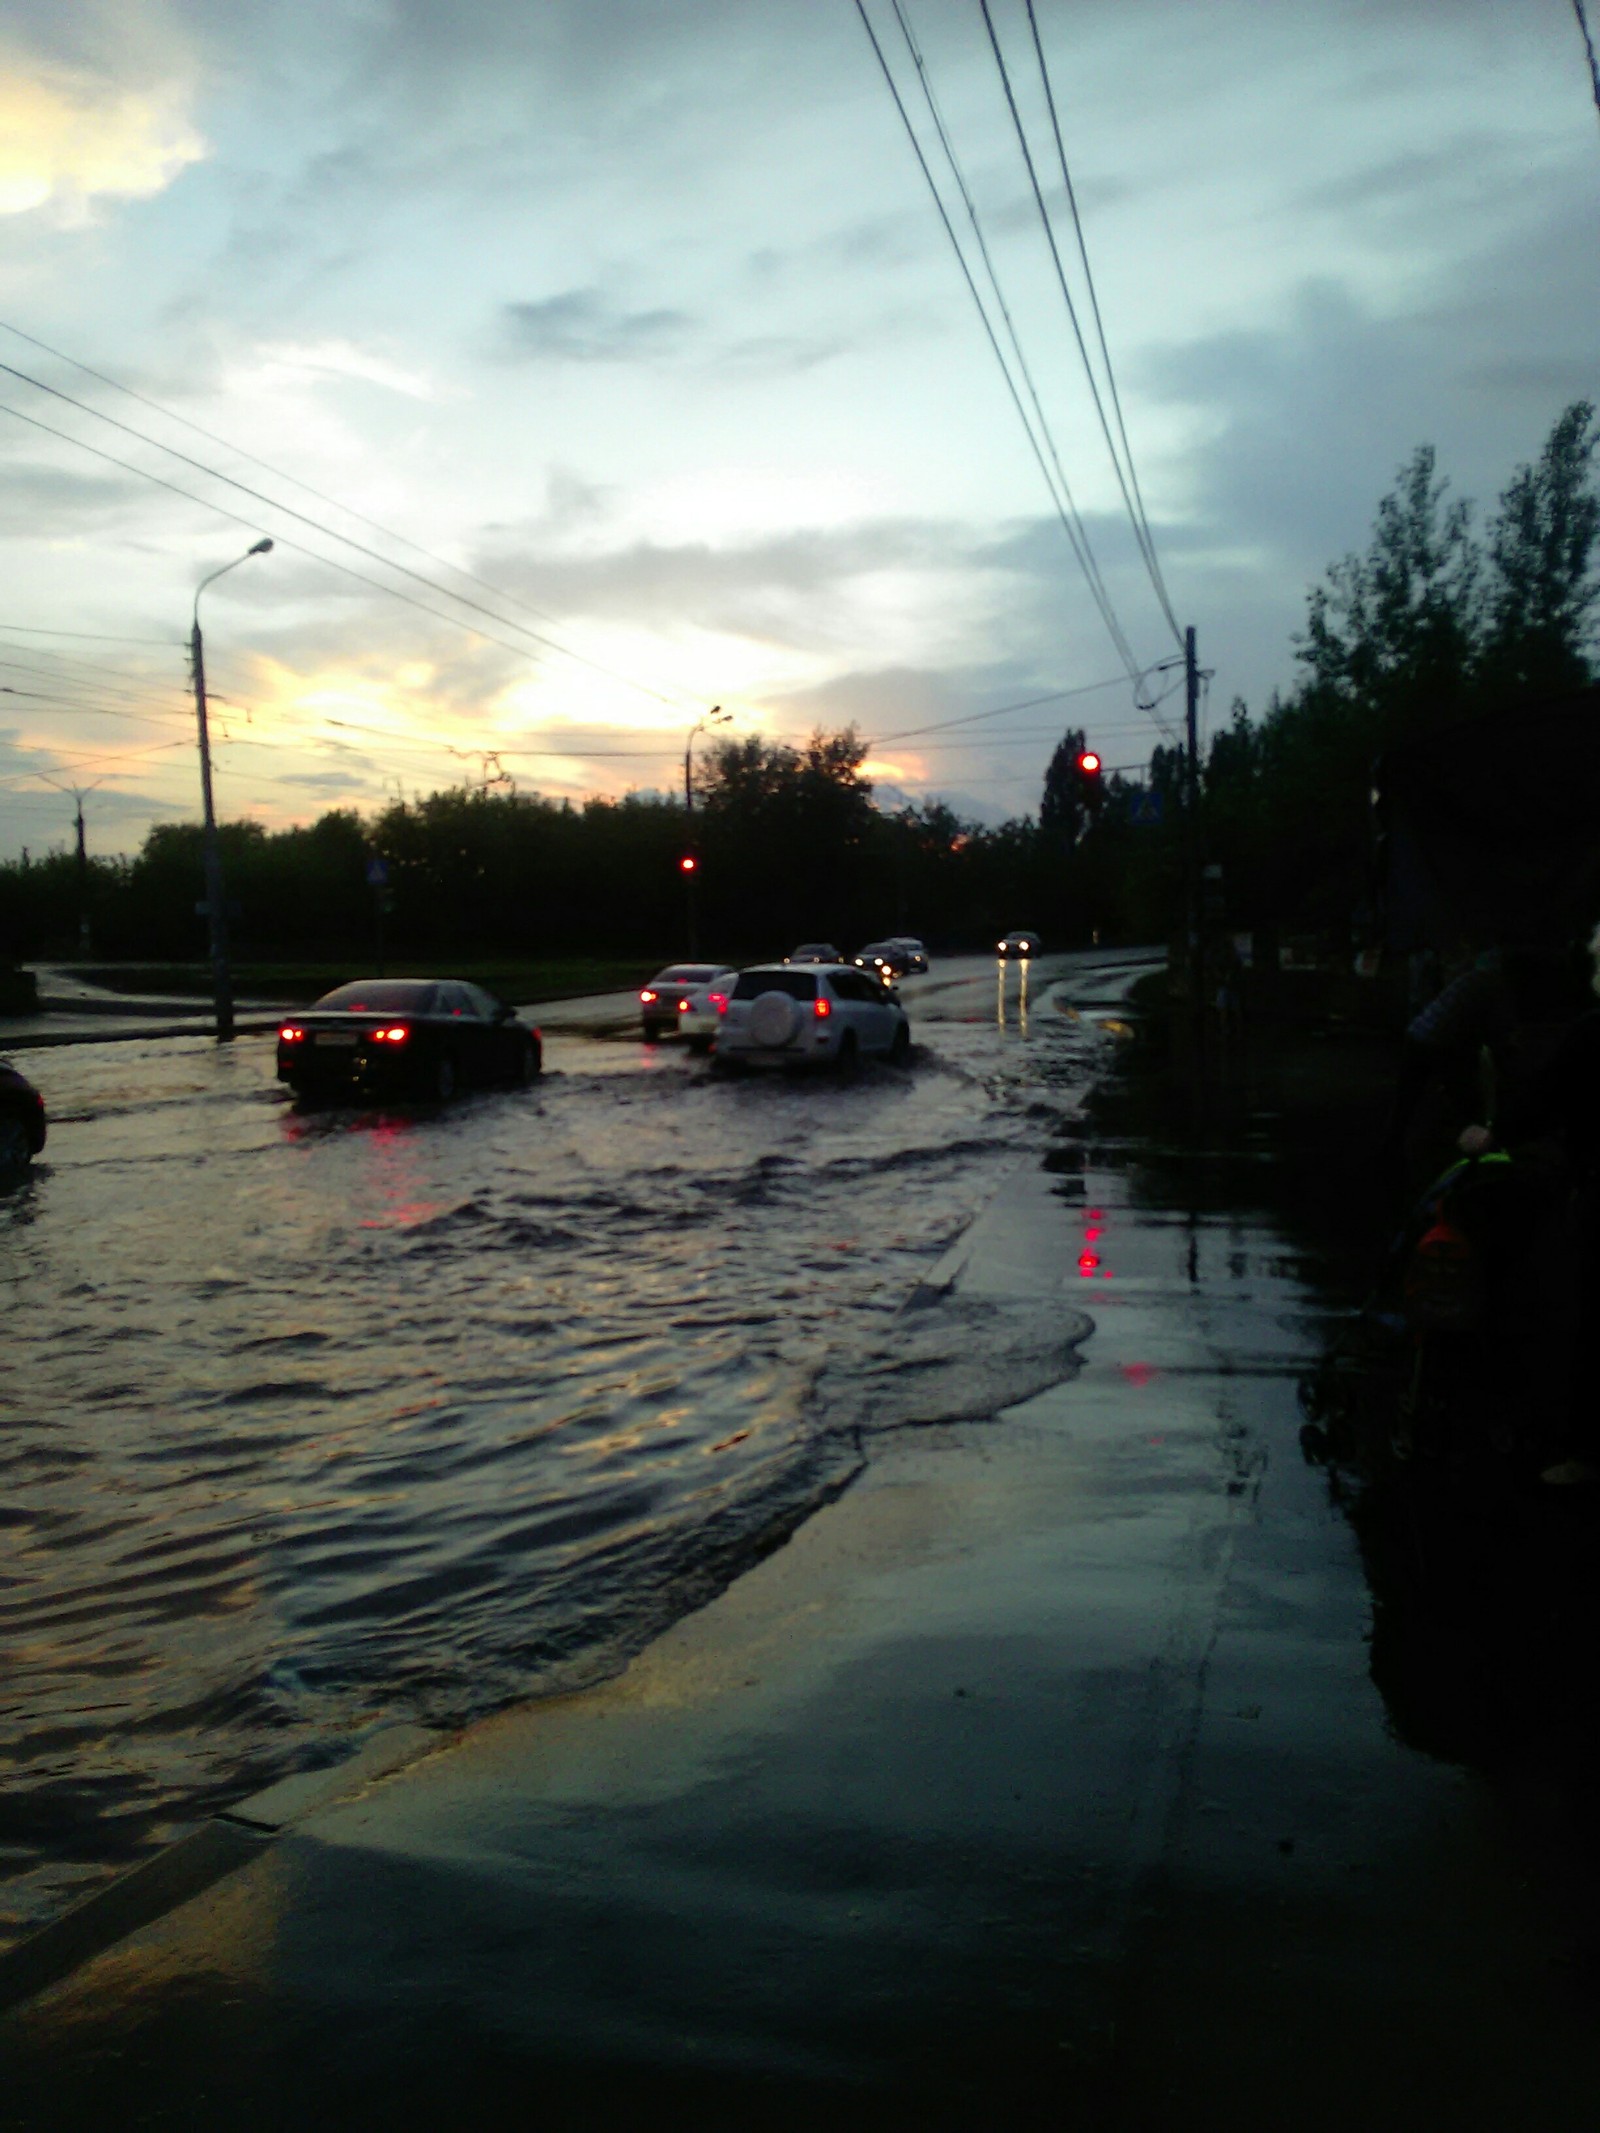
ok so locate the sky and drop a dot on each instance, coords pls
(596, 363)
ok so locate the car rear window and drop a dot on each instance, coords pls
(688, 974)
(798, 984)
(382, 996)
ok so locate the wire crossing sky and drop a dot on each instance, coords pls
(594, 363)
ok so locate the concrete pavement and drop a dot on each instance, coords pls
(1037, 1781)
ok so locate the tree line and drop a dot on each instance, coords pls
(1433, 622)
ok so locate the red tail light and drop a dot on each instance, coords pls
(719, 1001)
(822, 1009)
(291, 1033)
(397, 1035)
(646, 997)
(683, 1007)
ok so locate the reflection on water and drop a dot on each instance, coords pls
(1004, 1007)
(319, 1420)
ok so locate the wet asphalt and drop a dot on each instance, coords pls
(1039, 1779)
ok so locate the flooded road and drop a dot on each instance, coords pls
(313, 1422)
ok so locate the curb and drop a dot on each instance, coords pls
(190, 1865)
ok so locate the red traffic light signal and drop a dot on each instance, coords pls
(688, 863)
(1089, 763)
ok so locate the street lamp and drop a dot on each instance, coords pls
(716, 716)
(216, 908)
(77, 792)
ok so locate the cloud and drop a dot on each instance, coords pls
(584, 325)
(73, 134)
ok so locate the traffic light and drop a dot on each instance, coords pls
(688, 863)
(1090, 789)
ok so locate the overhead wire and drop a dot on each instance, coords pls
(1026, 703)
(1082, 546)
(22, 629)
(1589, 51)
(1102, 602)
(1139, 531)
(283, 540)
(331, 533)
(1142, 526)
(254, 459)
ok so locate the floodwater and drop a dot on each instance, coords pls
(318, 1421)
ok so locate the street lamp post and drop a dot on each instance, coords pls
(716, 716)
(216, 908)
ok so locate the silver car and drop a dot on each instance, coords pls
(827, 1014)
(662, 1001)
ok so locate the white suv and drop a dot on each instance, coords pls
(826, 1014)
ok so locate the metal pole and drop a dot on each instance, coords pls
(83, 881)
(216, 908)
(688, 844)
(1191, 814)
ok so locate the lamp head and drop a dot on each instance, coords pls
(261, 548)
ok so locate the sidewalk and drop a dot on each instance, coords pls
(1038, 1781)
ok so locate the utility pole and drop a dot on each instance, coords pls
(83, 881)
(688, 864)
(76, 792)
(216, 907)
(1191, 848)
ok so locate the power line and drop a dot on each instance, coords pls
(1588, 46)
(329, 562)
(20, 629)
(1142, 520)
(1026, 703)
(1102, 602)
(1072, 313)
(253, 459)
(1081, 544)
(303, 518)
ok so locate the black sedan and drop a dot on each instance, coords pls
(22, 1127)
(406, 1037)
(888, 960)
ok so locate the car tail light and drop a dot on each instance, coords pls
(684, 1007)
(822, 1009)
(719, 1000)
(397, 1035)
(291, 1033)
(647, 997)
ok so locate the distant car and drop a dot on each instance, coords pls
(830, 1015)
(22, 1123)
(1022, 945)
(886, 960)
(660, 1001)
(424, 1037)
(701, 1008)
(815, 952)
(916, 954)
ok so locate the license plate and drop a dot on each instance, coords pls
(325, 1040)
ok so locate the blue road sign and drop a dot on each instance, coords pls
(377, 873)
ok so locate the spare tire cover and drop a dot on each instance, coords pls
(772, 1018)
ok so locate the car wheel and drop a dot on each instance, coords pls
(529, 1062)
(16, 1149)
(699, 1046)
(900, 1045)
(848, 1055)
(444, 1079)
(652, 1033)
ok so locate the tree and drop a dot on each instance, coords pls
(1390, 638)
(1062, 815)
(1542, 590)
